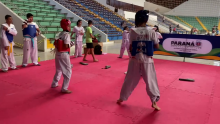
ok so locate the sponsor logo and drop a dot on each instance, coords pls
(187, 45)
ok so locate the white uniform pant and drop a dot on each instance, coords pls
(5, 59)
(29, 50)
(78, 49)
(125, 45)
(63, 66)
(135, 71)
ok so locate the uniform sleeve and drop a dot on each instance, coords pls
(123, 35)
(74, 30)
(83, 30)
(4, 38)
(154, 37)
(36, 25)
(67, 39)
(13, 31)
(132, 36)
(160, 36)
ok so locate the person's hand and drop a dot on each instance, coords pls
(7, 48)
(5, 28)
(24, 26)
(37, 34)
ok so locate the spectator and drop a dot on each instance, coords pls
(170, 28)
(174, 29)
(213, 33)
(163, 19)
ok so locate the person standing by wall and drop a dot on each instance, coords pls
(30, 33)
(7, 33)
(79, 30)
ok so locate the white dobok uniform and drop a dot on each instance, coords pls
(125, 44)
(6, 40)
(30, 47)
(78, 40)
(159, 36)
(63, 65)
(141, 65)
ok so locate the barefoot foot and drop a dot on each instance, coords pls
(96, 60)
(154, 105)
(119, 101)
(54, 86)
(85, 60)
(66, 91)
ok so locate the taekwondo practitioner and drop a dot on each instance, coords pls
(79, 30)
(125, 42)
(8, 32)
(62, 58)
(158, 34)
(89, 43)
(142, 65)
(30, 33)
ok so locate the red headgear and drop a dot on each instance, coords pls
(64, 23)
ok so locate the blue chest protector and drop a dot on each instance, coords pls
(30, 30)
(9, 36)
(146, 47)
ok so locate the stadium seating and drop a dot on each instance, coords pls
(190, 22)
(167, 23)
(114, 33)
(167, 3)
(105, 12)
(45, 15)
(209, 22)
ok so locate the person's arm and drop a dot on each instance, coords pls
(74, 31)
(72, 34)
(131, 40)
(4, 40)
(24, 24)
(83, 31)
(155, 39)
(12, 31)
(38, 30)
(90, 32)
(67, 40)
(160, 36)
(92, 36)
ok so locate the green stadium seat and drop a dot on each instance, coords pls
(45, 15)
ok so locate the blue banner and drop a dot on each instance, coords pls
(193, 46)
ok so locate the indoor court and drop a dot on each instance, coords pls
(182, 37)
(26, 97)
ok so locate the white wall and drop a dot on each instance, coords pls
(155, 7)
(135, 2)
(75, 17)
(130, 15)
(103, 2)
(17, 20)
(208, 8)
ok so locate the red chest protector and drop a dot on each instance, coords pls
(60, 46)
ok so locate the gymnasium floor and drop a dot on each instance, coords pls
(26, 96)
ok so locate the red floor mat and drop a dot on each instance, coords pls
(26, 96)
